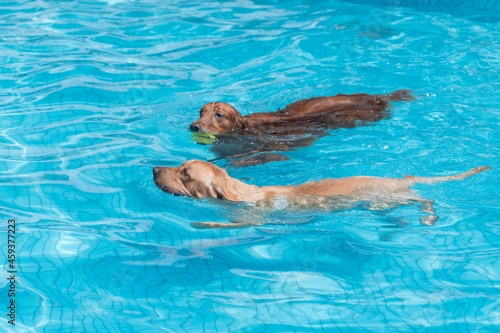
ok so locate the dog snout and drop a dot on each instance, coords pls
(156, 170)
(195, 127)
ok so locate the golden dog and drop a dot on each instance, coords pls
(199, 179)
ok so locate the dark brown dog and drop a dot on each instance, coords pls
(302, 117)
(233, 136)
(199, 179)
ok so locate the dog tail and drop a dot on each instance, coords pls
(429, 180)
(403, 95)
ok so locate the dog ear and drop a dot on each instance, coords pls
(222, 186)
(241, 123)
(221, 193)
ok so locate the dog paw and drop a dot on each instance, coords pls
(217, 225)
(201, 225)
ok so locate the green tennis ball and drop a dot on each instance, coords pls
(204, 138)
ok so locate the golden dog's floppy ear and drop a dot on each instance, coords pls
(222, 192)
(221, 186)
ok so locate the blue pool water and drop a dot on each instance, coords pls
(93, 94)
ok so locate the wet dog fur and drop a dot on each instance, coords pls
(199, 179)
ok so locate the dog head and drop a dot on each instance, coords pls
(196, 179)
(218, 117)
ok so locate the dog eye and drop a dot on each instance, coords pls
(218, 115)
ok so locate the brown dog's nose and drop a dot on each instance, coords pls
(195, 127)
(156, 170)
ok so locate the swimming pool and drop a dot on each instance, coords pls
(94, 94)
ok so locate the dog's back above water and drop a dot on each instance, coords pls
(199, 179)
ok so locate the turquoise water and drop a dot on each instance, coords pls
(94, 94)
